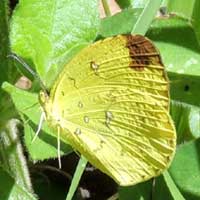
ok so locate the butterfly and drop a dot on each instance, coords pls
(111, 104)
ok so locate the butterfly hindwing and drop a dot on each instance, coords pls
(111, 102)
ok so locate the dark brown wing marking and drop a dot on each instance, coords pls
(142, 52)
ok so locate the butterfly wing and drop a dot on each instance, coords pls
(111, 102)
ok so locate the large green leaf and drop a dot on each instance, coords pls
(185, 170)
(45, 146)
(46, 32)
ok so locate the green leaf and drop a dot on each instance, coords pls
(165, 187)
(185, 169)
(136, 21)
(10, 190)
(172, 187)
(185, 88)
(121, 23)
(76, 178)
(45, 145)
(187, 120)
(124, 4)
(188, 10)
(132, 3)
(141, 191)
(182, 9)
(179, 48)
(45, 33)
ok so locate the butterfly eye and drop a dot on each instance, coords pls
(43, 97)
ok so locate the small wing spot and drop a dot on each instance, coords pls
(86, 119)
(168, 158)
(77, 131)
(63, 94)
(80, 104)
(94, 66)
(109, 117)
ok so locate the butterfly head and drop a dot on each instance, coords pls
(44, 101)
(51, 114)
(43, 98)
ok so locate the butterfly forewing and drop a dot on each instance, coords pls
(111, 102)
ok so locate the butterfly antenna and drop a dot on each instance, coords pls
(58, 147)
(42, 117)
(28, 68)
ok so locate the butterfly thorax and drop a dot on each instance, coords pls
(46, 104)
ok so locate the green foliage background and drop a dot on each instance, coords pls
(47, 34)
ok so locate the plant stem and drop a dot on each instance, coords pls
(13, 159)
(106, 8)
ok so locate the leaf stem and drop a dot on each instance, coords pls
(106, 8)
(146, 17)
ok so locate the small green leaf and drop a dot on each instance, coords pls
(45, 146)
(121, 23)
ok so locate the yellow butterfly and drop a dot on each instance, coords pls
(111, 103)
